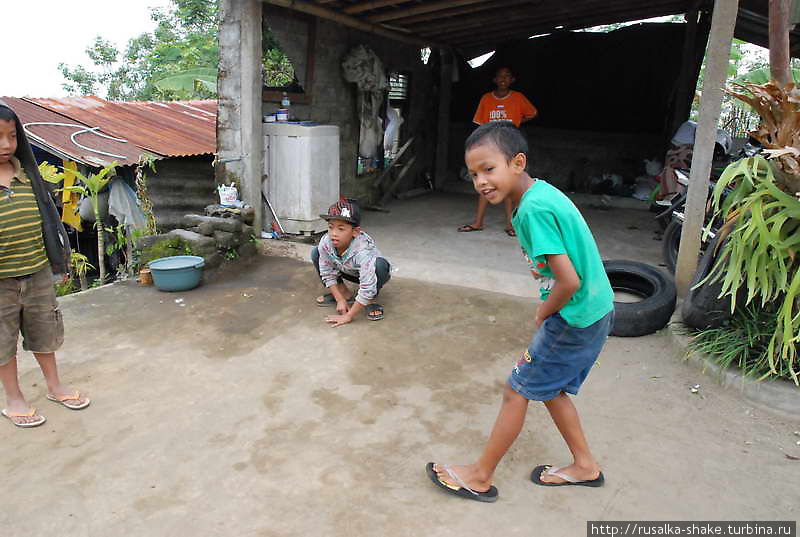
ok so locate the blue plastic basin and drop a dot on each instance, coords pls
(177, 273)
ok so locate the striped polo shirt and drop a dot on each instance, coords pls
(21, 245)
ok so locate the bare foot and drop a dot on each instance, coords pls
(470, 475)
(578, 473)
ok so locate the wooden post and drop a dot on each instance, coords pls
(779, 42)
(250, 106)
(443, 131)
(719, 46)
(684, 86)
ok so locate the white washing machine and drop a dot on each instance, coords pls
(301, 174)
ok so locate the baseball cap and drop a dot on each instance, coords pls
(345, 210)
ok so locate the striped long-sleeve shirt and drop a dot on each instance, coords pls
(21, 245)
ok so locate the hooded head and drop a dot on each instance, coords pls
(21, 147)
(14, 141)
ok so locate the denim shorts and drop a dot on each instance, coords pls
(559, 358)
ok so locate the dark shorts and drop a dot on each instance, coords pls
(28, 305)
(559, 358)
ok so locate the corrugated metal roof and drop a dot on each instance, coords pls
(170, 129)
(56, 139)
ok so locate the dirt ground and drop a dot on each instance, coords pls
(239, 412)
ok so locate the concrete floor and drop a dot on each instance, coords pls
(241, 413)
(419, 236)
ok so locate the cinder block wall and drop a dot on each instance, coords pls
(180, 186)
(334, 99)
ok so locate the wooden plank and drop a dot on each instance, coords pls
(395, 162)
(722, 24)
(443, 126)
(348, 20)
(368, 6)
(427, 7)
(387, 196)
(453, 14)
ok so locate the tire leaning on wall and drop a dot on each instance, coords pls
(656, 290)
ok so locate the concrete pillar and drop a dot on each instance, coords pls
(719, 46)
(443, 131)
(250, 105)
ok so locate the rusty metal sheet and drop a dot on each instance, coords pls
(57, 139)
(169, 129)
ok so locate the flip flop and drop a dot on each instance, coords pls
(536, 477)
(467, 228)
(329, 301)
(66, 400)
(374, 308)
(29, 414)
(462, 491)
(510, 232)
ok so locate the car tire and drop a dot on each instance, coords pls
(702, 308)
(670, 242)
(656, 289)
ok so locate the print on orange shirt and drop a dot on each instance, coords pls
(514, 107)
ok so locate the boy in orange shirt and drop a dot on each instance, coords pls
(502, 104)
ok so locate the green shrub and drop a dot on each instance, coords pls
(165, 248)
(744, 342)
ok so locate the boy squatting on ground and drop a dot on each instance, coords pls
(573, 321)
(32, 240)
(347, 253)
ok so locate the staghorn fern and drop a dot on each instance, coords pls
(762, 221)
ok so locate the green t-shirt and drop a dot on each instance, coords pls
(547, 222)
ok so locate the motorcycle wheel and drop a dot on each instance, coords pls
(670, 243)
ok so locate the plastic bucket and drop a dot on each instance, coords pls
(177, 273)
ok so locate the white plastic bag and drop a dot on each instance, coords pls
(228, 195)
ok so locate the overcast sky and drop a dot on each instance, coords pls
(37, 35)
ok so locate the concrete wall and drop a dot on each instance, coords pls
(181, 186)
(334, 99)
(229, 87)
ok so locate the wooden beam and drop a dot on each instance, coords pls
(681, 102)
(466, 10)
(779, 42)
(497, 37)
(719, 46)
(427, 7)
(348, 20)
(443, 127)
(368, 6)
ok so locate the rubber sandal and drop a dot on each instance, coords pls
(510, 232)
(29, 414)
(328, 301)
(536, 477)
(374, 308)
(462, 491)
(467, 228)
(65, 400)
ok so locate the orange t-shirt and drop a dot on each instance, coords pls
(514, 107)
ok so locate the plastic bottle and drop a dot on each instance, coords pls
(285, 104)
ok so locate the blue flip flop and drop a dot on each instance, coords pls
(536, 477)
(462, 491)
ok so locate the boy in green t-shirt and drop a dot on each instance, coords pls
(573, 321)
